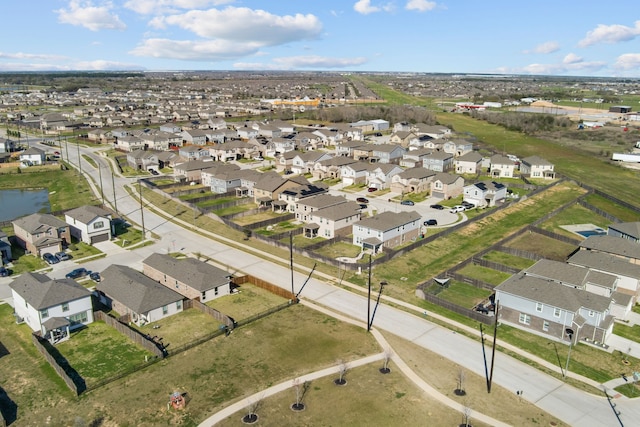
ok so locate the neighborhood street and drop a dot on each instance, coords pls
(572, 406)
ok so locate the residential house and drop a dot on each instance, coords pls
(6, 145)
(269, 187)
(625, 230)
(381, 175)
(413, 180)
(267, 130)
(143, 160)
(5, 249)
(386, 230)
(247, 132)
(446, 186)
(303, 163)
(168, 159)
(457, 147)
(191, 171)
(33, 156)
(501, 166)
(294, 197)
(128, 143)
(90, 224)
(485, 193)
(194, 137)
(537, 167)
(222, 177)
(347, 148)
(193, 152)
(279, 146)
(386, 153)
(332, 220)
(129, 292)
(438, 161)
(41, 233)
(98, 135)
(468, 163)
(170, 128)
(434, 131)
(355, 173)
(191, 278)
(625, 249)
(331, 167)
(414, 158)
(402, 138)
(628, 274)
(51, 308)
(550, 307)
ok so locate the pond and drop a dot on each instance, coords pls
(17, 203)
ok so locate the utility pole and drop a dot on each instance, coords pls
(369, 298)
(144, 232)
(100, 177)
(293, 292)
(66, 147)
(113, 185)
(79, 159)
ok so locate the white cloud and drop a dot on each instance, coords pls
(22, 55)
(572, 58)
(364, 7)
(628, 61)
(302, 62)
(421, 5)
(158, 7)
(207, 50)
(610, 34)
(546, 47)
(99, 64)
(246, 25)
(94, 18)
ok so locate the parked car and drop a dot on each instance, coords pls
(77, 273)
(407, 202)
(457, 208)
(4, 272)
(437, 207)
(259, 158)
(363, 206)
(95, 276)
(468, 205)
(62, 256)
(431, 222)
(372, 189)
(50, 259)
(362, 200)
(154, 172)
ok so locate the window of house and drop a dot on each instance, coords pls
(525, 319)
(65, 306)
(556, 312)
(215, 291)
(591, 313)
(78, 318)
(44, 313)
(165, 309)
(99, 224)
(539, 307)
(203, 296)
(545, 326)
(179, 305)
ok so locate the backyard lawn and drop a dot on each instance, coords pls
(249, 300)
(508, 259)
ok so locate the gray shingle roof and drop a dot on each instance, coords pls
(386, 221)
(553, 294)
(629, 228)
(37, 222)
(605, 262)
(612, 245)
(135, 290)
(86, 214)
(42, 292)
(196, 274)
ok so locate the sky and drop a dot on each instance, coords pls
(541, 37)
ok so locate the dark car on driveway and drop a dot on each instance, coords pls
(95, 276)
(362, 200)
(372, 189)
(468, 205)
(50, 259)
(437, 207)
(4, 272)
(431, 222)
(77, 273)
(407, 202)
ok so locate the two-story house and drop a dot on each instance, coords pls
(90, 224)
(537, 167)
(485, 193)
(41, 233)
(447, 186)
(413, 180)
(469, 163)
(438, 161)
(386, 229)
(501, 166)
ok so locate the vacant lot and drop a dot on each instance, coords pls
(285, 345)
(249, 300)
(542, 245)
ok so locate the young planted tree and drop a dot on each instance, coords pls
(466, 416)
(386, 359)
(342, 371)
(460, 391)
(299, 389)
(254, 404)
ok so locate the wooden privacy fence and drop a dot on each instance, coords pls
(71, 378)
(276, 290)
(137, 337)
(220, 317)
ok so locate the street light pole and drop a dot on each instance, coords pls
(382, 285)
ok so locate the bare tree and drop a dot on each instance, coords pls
(299, 388)
(343, 367)
(388, 353)
(252, 408)
(466, 416)
(460, 391)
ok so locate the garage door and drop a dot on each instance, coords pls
(99, 238)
